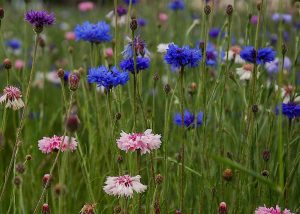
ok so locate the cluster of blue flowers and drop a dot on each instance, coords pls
(176, 5)
(262, 56)
(94, 33)
(189, 119)
(182, 56)
(106, 77)
(291, 110)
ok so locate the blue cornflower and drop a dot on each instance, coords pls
(141, 22)
(94, 33)
(263, 56)
(142, 63)
(176, 5)
(132, 1)
(211, 55)
(291, 110)
(14, 44)
(107, 78)
(66, 75)
(214, 32)
(182, 56)
(189, 119)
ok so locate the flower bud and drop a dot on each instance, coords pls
(265, 173)
(20, 168)
(118, 116)
(178, 212)
(70, 49)
(255, 108)
(159, 179)
(207, 10)
(117, 209)
(283, 49)
(42, 42)
(167, 88)
(266, 155)
(229, 10)
(73, 123)
(227, 174)
(47, 178)
(60, 73)
(17, 181)
(1, 13)
(45, 209)
(120, 159)
(38, 29)
(156, 77)
(88, 209)
(222, 208)
(133, 23)
(7, 63)
(74, 81)
(60, 189)
(28, 157)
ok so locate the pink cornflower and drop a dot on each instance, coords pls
(19, 64)
(123, 186)
(163, 17)
(86, 6)
(50, 144)
(271, 210)
(12, 97)
(70, 36)
(109, 53)
(145, 142)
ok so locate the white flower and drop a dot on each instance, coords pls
(162, 47)
(124, 186)
(245, 71)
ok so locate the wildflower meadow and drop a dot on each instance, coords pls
(150, 107)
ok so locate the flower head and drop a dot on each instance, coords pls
(176, 5)
(211, 55)
(271, 210)
(144, 142)
(106, 77)
(95, 33)
(86, 6)
(14, 44)
(245, 72)
(214, 32)
(132, 1)
(262, 56)
(138, 46)
(39, 18)
(142, 63)
(189, 119)
(50, 144)
(124, 186)
(12, 97)
(291, 110)
(182, 56)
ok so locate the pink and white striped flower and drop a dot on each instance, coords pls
(145, 142)
(12, 97)
(50, 144)
(123, 186)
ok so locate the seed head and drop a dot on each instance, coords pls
(159, 179)
(133, 23)
(17, 181)
(207, 10)
(167, 88)
(28, 157)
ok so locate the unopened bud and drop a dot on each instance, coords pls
(60, 73)
(133, 23)
(1, 13)
(45, 209)
(159, 179)
(20, 168)
(227, 174)
(222, 208)
(229, 10)
(7, 63)
(73, 123)
(47, 180)
(207, 10)
(74, 81)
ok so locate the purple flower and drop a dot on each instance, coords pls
(254, 20)
(176, 5)
(121, 11)
(276, 17)
(189, 119)
(141, 22)
(39, 18)
(142, 63)
(214, 32)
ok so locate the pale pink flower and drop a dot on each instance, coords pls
(245, 72)
(234, 54)
(145, 142)
(12, 97)
(123, 186)
(109, 53)
(50, 144)
(86, 6)
(271, 210)
(163, 17)
(70, 36)
(19, 64)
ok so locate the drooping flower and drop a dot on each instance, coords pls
(55, 143)
(277, 17)
(39, 19)
(182, 56)
(189, 119)
(234, 54)
(86, 6)
(142, 63)
(12, 97)
(131, 1)
(138, 46)
(176, 5)
(106, 77)
(94, 33)
(143, 142)
(291, 110)
(271, 210)
(245, 72)
(262, 56)
(124, 186)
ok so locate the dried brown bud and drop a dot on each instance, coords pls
(47, 178)
(120, 159)
(259, 6)
(159, 179)
(118, 116)
(265, 173)
(156, 77)
(7, 63)
(88, 209)
(42, 42)
(117, 209)
(255, 108)
(266, 155)
(1, 13)
(167, 88)
(60, 189)
(207, 10)
(28, 157)
(133, 23)
(17, 181)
